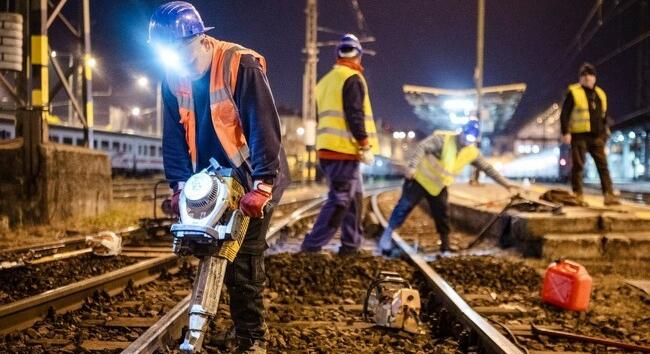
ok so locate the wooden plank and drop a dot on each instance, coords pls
(100, 345)
(166, 249)
(127, 304)
(552, 352)
(498, 310)
(323, 324)
(474, 297)
(136, 322)
(49, 341)
(92, 323)
(643, 285)
(344, 307)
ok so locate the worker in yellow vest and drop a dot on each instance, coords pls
(437, 161)
(584, 126)
(346, 136)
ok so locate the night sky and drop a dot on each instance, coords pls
(421, 42)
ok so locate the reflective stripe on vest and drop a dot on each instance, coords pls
(223, 111)
(579, 121)
(332, 131)
(434, 174)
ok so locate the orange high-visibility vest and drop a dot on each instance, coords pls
(224, 112)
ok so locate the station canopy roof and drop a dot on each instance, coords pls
(449, 109)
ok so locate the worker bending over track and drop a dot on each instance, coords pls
(437, 161)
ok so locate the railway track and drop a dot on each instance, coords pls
(74, 304)
(304, 316)
(313, 304)
(504, 289)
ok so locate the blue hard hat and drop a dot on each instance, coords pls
(174, 21)
(471, 130)
(349, 47)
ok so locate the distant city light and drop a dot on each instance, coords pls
(135, 111)
(458, 104)
(92, 62)
(300, 131)
(143, 81)
(53, 54)
(411, 134)
(455, 119)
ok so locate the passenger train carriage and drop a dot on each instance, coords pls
(130, 153)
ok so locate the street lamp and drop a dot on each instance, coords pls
(135, 111)
(92, 62)
(143, 82)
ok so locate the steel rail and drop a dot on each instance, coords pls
(23, 313)
(491, 339)
(65, 244)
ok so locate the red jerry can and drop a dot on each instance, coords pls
(567, 285)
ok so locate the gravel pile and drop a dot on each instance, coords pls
(314, 306)
(326, 279)
(30, 280)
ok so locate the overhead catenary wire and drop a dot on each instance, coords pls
(362, 25)
(623, 48)
(618, 8)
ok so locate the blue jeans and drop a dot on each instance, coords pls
(412, 194)
(342, 208)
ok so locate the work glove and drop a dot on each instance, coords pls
(366, 155)
(252, 203)
(174, 201)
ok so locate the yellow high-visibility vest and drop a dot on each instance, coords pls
(434, 174)
(580, 120)
(332, 131)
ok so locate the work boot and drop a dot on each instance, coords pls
(610, 199)
(580, 199)
(386, 241)
(248, 346)
(348, 251)
(444, 244)
(392, 252)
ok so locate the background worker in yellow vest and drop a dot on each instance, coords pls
(437, 161)
(584, 126)
(218, 104)
(346, 136)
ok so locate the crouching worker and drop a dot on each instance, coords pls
(437, 161)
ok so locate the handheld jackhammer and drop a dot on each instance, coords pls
(211, 228)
